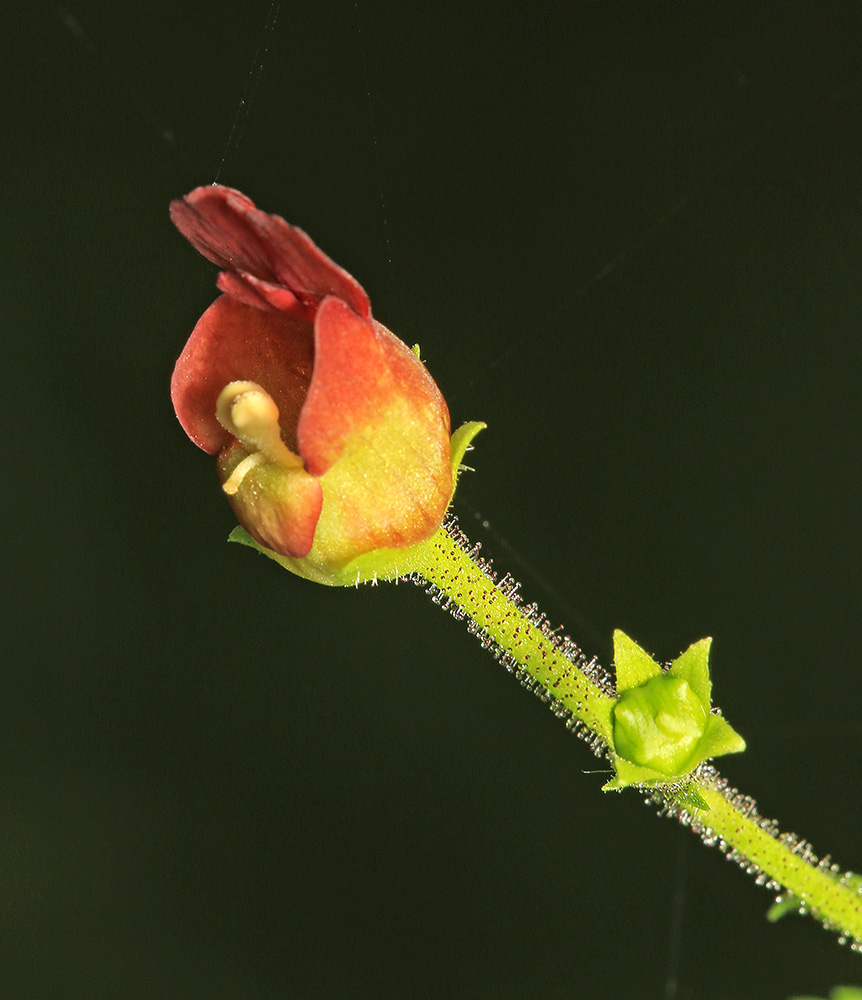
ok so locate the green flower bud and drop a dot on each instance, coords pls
(659, 724)
(663, 722)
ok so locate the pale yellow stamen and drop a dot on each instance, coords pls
(233, 481)
(248, 412)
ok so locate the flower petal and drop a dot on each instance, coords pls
(376, 427)
(278, 507)
(251, 291)
(360, 371)
(226, 227)
(233, 342)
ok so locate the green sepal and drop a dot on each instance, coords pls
(242, 537)
(381, 564)
(632, 774)
(461, 441)
(693, 666)
(634, 666)
(298, 566)
(788, 904)
(720, 738)
(687, 796)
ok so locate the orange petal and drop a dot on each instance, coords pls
(278, 507)
(360, 370)
(233, 342)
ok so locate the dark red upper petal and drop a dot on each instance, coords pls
(224, 225)
(235, 342)
(253, 291)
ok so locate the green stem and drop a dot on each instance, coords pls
(731, 821)
(785, 860)
(446, 564)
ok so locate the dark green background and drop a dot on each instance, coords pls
(627, 236)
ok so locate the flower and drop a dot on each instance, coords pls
(332, 440)
(664, 723)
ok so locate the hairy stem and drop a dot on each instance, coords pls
(523, 637)
(789, 863)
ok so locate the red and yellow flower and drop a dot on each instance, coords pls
(332, 440)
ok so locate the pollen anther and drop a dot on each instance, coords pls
(248, 412)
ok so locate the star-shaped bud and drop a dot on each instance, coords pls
(663, 721)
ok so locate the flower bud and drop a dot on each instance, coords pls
(664, 725)
(659, 724)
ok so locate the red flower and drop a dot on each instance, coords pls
(332, 438)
